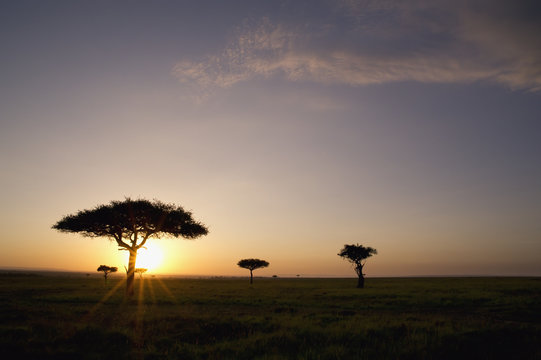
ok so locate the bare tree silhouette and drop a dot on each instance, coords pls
(106, 270)
(357, 255)
(130, 223)
(252, 264)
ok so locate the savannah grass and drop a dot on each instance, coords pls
(60, 317)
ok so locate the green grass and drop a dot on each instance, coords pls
(45, 317)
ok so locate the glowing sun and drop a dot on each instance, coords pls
(149, 257)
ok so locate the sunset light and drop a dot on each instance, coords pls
(288, 128)
(270, 179)
(150, 257)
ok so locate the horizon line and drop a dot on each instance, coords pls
(287, 276)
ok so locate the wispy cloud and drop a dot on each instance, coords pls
(370, 42)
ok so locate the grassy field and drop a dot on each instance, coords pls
(60, 317)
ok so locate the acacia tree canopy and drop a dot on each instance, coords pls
(140, 271)
(130, 223)
(357, 255)
(252, 264)
(107, 269)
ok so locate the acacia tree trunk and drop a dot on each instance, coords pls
(360, 282)
(130, 273)
(251, 277)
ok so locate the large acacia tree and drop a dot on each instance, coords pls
(252, 264)
(357, 255)
(130, 223)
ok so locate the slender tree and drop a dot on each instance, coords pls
(106, 270)
(252, 264)
(130, 223)
(357, 255)
(140, 271)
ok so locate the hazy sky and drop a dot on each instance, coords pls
(290, 128)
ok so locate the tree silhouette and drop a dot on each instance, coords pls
(357, 255)
(140, 271)
(106, 270)
(130, 223)
(252, 264)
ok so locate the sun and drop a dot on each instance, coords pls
(149, 257)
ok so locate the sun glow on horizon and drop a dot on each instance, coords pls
(150, 257)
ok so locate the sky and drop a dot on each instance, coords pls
(289, 128)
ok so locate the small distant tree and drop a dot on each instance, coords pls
(140, 271)
(252, 264)
(357, 255)
(106, 270)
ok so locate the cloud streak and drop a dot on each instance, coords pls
(367, 42)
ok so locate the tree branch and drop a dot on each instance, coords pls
(144, 240)
(120, 243)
